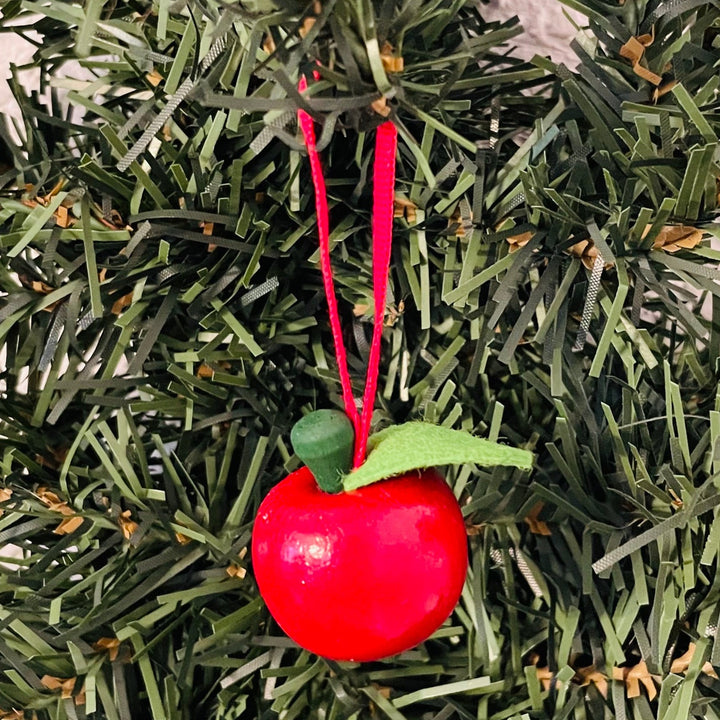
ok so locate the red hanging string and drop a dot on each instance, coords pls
(383, 213)
(323, 223)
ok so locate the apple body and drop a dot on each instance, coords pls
(360, 575)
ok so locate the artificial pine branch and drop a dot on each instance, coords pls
(163, 329)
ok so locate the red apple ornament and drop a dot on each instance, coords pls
(357, 575)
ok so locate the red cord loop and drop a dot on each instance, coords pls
(383, 213)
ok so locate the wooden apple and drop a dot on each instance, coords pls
(360, 575)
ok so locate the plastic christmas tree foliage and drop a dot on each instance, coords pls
(548, 341)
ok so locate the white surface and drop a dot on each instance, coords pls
(19, 52)
(548, 31)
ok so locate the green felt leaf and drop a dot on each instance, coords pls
(415, 445)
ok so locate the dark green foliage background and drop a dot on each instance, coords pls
(105, 407)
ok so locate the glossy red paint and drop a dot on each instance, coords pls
(360, 575)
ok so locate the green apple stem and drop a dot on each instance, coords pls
(324, 441)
